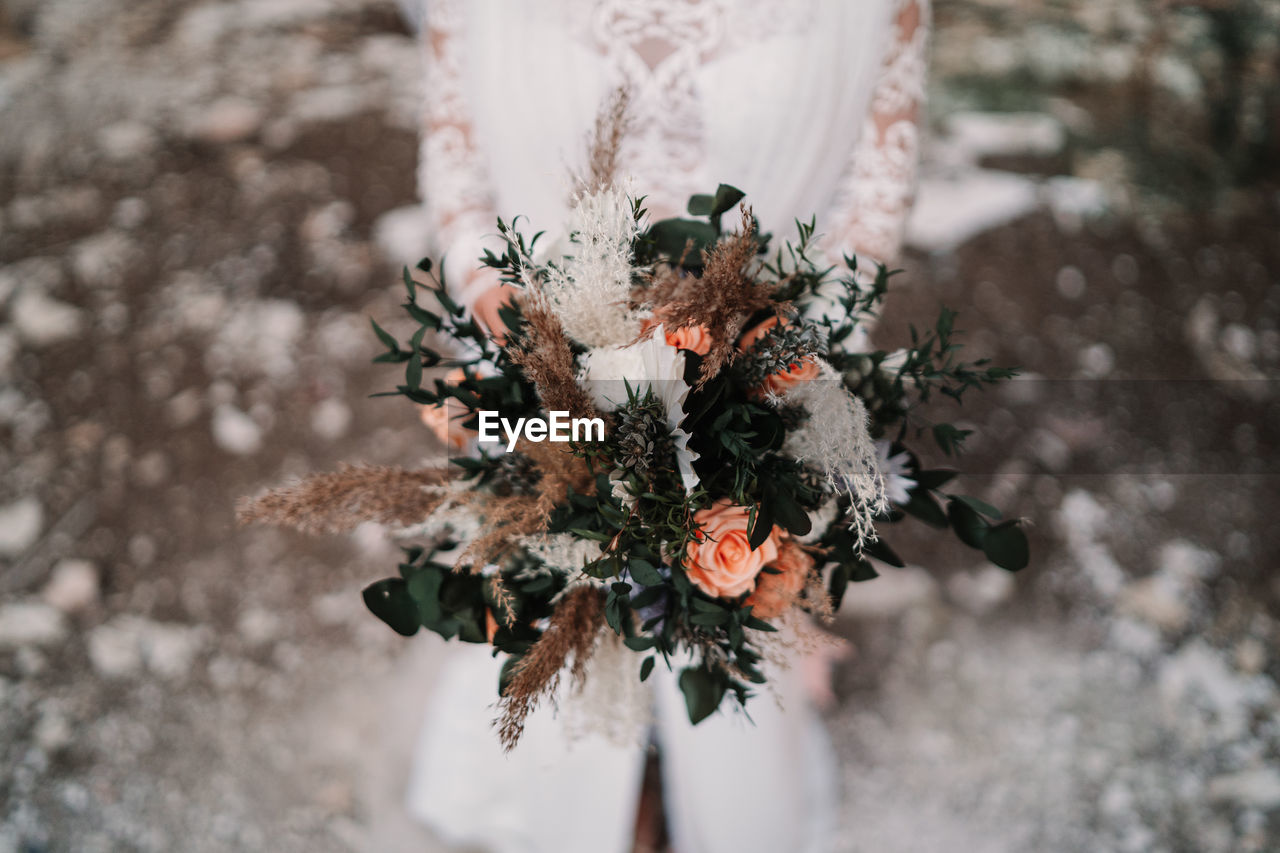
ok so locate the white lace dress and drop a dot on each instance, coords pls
(810, 107)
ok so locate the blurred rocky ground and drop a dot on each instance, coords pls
(202, 202)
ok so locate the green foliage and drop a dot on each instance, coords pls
(639, 513)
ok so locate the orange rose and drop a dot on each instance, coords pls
(695, 338)
(758, 331)
(801, 371)
(720, 561)
(774, 593)
(490, 625)
(445, 419)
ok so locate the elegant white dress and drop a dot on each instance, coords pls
(810, 107)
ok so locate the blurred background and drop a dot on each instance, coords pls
(201, 204)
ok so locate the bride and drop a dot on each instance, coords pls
(810, 106)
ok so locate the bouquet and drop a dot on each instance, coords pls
(675, 444)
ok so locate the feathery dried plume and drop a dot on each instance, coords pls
(721, 299)
(509, 519)
(590, 289)
(612, 124)
(568, 640)
(546, 357)
(835, 440)
(341, 500)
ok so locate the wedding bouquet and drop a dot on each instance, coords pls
(674, 441)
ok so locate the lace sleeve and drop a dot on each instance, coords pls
(452, 178)
(871, 208)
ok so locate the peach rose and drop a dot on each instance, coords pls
(720, 561)
(774, 593)
(695, 338)
(758, 331)
(802, 371)
(490, 625)
(445, 419)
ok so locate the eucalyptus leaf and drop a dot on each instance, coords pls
(390, 601)
(643, 572)
(1006, 546)
(967, 523)
(702, 693)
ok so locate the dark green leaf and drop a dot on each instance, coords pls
(726, 198)
(935, 478)
(701, 205)
(390, 601)
(762, 527)
(882, 552)
(980, 506)
(646, 668)
(968, 525)
(644, 572)
(702, 693)
(508, 672)
(1006, 546)
(386, 337)
(924, 507)
(413, 371)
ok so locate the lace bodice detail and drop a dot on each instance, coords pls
(681, 60)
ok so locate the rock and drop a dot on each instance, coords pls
(258, 339)
(981, 134)
(951, 211)
(20, 526)
(130, 213)
(331, 103)
(30, 623)
(401, 235)
(981, 591)
(1240, 341)
(225, 121)
(1197, 682)
(79, 204)
(43, 321)
(1097, 361)
(1158, 601)
(258, 626)
(127, 140)
(114, 650)
(123, 646)
(169, 650)
(102, 260)
(1259, 789)
(1251, 656)
(330, 418)
(235, 432)
(1074, 200)
(8, 352)
(53, 731)
(1071, 282)
(73, 586)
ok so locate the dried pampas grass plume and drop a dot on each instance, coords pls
(613, 122)
(568, 641)
(545, 355)
(341, 500)
(721, 299)
(509, 519)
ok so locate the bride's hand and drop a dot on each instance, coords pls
(487, 306)
(816, 665)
